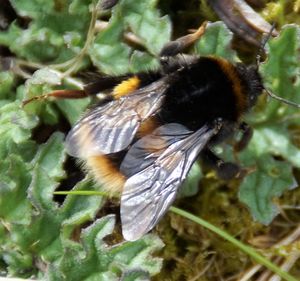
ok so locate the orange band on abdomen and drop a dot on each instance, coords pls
(126, 87)
(106, 173)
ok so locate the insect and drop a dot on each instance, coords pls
(144, 136)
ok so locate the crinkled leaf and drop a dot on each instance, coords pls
(32, 8)
(111, 55)
(136, 255)
(79, 209)
(42, 232)
(15, 149)
(15, 130)
(45, 76)
(281, 75)
(35, 43)
(270, 180)
(141, 61)
(14, 181)
(47, 172)
(42, 229)
(98, 261)
(15, 127)
(275, 140)
(18, 262)
(216, 41)
(55, 34)
(145, 22)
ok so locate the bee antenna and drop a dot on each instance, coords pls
(272, 95)
(263, 43)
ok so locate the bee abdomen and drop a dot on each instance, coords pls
(106, 172)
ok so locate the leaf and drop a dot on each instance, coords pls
(15, 127)
(73, 109)
(136, 275)
(216, 41)
(271, 134)
(14, 181)
(191, 184)
(111, 55)
(42, 230)
(270, 180)
(145, 22)
(47, 37)
(98, 261)
(277, 141)
(6, 82)
(79, 209)
(15, 130)
(141, 61)
(18, 262)
(32, 8)
(47, 172)
(15, 178)
(44, 222)
(280, 74)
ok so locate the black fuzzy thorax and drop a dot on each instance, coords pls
(199, 93)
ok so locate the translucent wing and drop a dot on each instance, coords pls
(157, 165)
(111, 127)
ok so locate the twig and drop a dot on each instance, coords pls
(286, 265)
(285, 241)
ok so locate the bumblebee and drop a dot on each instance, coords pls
(144, 136)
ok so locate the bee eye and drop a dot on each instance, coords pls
(164, 59)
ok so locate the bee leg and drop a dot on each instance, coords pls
(247, 133)
(224, 170)
(177, 46)
(59, 94)
(100, 84)
(170, 61)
